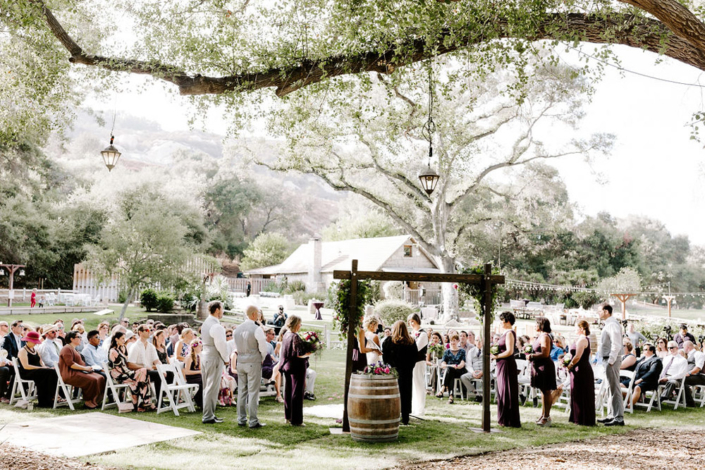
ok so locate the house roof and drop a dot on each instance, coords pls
(371, 254)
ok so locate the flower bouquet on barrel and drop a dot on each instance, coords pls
(379, 368)
(311, 343)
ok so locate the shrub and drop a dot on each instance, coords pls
(394, 290)
(165, 302)
(122, 296)
(302, 298)
(585, 299)
(295, 286)
(148, 299)
(391, 310)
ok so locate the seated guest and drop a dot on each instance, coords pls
(93, 354)
(12, 343)
(82, 334)
(50, 349)
(661, 349)
(106, 341)
(647, 372)
(454, 364)
(181, 350)
(473, 367)
(192, 370)
(143, 355)
(683, 336)
(628, 362)
(75, 372)
(696, 374)
(32, 368)
(138, 380)
(675, 367)
(158, 341)
(558, 347)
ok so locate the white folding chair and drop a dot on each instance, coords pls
(30, 393)
(175, 391)
(630, 390)
(111, 388)
(680, 397)
(699, 394)
(653, 400)
(67, 389)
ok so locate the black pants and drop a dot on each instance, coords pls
(698, 379)
(155, 378)
(406, 382)
(5, 383)
(449, 379)
(294, 396)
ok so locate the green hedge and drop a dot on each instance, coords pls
(149, 299)
(390, 311)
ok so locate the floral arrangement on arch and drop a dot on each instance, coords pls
(380, 368)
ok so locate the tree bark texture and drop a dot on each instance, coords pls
(686, 44)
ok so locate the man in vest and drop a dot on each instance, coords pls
(251, 346)
(214, 357)
(695, 374)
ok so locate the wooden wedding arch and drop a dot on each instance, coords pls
(486, 282)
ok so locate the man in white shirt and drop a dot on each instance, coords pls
(49, 350)
(696, 374)
(215, 357)
(675, 367)
(143, 354)
(611, 352)
(251, 351)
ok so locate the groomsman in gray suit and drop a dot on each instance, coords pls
(215, 356)
(251, 346)
(611, 351)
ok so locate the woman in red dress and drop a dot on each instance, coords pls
(33, 299)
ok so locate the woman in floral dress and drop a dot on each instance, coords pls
(138, 380)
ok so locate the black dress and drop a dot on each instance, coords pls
(543, 370)
(403, 358)
(44, 379)
(294, 369)
(196, 379)
(582, 389)
(359, 360)
(507, 388)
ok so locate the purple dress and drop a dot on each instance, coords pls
(507, 388)
(543, 370)
(582, 389)
(294, 369)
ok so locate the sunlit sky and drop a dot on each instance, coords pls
(654, 170)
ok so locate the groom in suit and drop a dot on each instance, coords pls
(215, 357)
(251, 346)
(647, 373)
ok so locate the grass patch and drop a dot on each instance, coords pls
(444, 434)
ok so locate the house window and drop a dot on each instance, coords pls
(408, 253)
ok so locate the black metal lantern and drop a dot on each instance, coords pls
(428, 177)
(111, 155)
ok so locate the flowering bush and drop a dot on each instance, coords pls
(311, 342)
(379, 368)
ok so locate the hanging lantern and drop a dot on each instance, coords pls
(429, 179)
(111, 155)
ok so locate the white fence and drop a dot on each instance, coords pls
(23, 295)
(257, 285)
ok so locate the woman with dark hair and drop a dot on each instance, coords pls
(507, 375)
(628, 361)
(661, 349)
(138, 380)
(399, 351)
(32, 368)
(432, 358)
(582, 379)
(293, 364)
(454, 364)
(418, 398)
(74, 371)
(543, 370)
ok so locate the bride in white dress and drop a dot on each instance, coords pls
(418, 395)
(371, 345)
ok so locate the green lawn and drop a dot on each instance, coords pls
(445, 433)
(90, 320)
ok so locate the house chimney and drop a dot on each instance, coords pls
(314, 268)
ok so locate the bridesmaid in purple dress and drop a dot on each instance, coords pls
(582, 379)
(543, 371)
(507, 375)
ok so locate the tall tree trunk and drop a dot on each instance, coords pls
(130, 295)
(450, 293)
(202, 308)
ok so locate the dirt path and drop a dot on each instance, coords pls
(13, 457)
(643, 448)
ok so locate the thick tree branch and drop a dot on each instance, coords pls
(687, 46)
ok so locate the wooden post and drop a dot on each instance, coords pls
(623, 299)
(352, 331)
(487, 301)
(669, 299)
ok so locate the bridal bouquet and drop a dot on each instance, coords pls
(494, 350)
(567, 358)
(311, 342)
(528, 349)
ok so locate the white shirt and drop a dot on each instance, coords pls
(614, 331)
(231, 347)
(140, 354)
(218, 334)
(698, 358)
(678, 367)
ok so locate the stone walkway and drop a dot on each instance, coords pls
(86, 434)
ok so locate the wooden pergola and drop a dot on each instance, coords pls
(11, 269)
(623, 299)
(486, 281)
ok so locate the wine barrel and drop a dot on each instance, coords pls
(374, 408)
